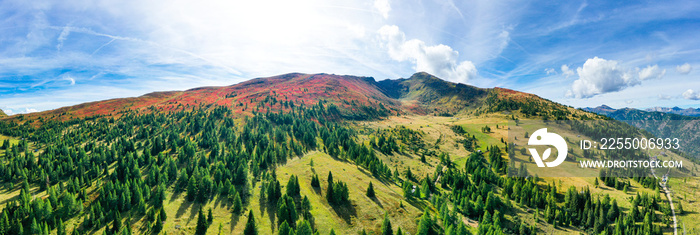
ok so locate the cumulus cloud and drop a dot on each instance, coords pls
(598, 76)
(691, 95)
(651, 72)
(566, 71)
(383, 7)
(684, 69)
(440, 60)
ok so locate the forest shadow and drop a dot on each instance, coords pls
(183, 207)
(345, 211)
(379, 203)
(175, 195)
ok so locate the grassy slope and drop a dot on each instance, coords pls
(366, 213)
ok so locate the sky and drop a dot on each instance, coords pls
(636, 54)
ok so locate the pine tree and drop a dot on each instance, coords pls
(237, 204)
(202, 224)
(426, 189)
(370, 190)
(157, 225)
(284, 229)
(210, 217)
(162, 214)
(386, 225)
(191, 189)
(330, 178)
(117, 223)
(426, 223)
(329, 194)
(250, 228)
(60, 228)
(315, 182)
(304, 228)
(293, 186)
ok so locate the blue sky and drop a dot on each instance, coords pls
(579, 53)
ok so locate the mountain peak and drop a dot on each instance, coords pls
(605, 107)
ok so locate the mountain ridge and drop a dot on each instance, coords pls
(355, 97)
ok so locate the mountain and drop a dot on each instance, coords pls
(602, 110)
(2, 114)
(676, 110)
(425, 93)
(309, 153)
(356, 97)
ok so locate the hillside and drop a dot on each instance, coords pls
(2, 114)
(357, 98)
(311, 154)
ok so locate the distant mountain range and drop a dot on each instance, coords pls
(607, 110)
(676, 110)
(660, 123)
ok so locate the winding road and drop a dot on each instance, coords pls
(670, 199)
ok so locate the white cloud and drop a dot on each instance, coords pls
(383, 7)
(691, 95)
(684, 69)
(664, 97)
(550, 71)
(70, 79)
(63, 36)
(651, 72)
(598, 76)
(440, 60)
(566, 71)
(30, 110)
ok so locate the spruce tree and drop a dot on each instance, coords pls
(250, 228)
(370, 190)
(425, 224)
(201, 223)
(386, 225)
(284, 229)
(60, 228)
(210, 217)
(162, 214)
(237, 204)
(304, 228)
